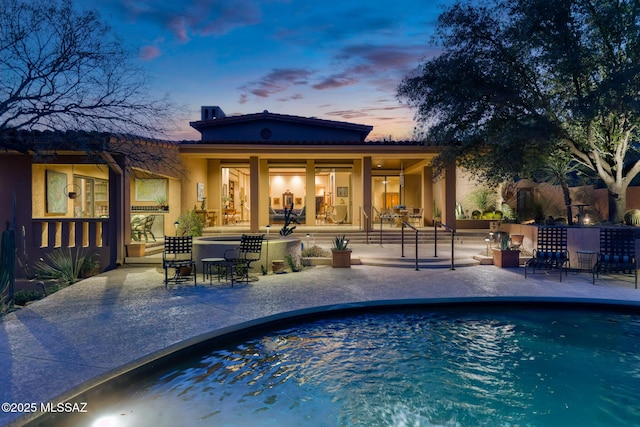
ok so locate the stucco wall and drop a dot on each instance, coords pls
(578, 239)
(18, 168)
(39, 185)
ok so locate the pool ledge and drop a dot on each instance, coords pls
(130, 372)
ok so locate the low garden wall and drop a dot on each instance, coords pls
(578, 239)
(275, 248)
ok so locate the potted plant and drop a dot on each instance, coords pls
(341, 254)
(162, 203)
(504, 256)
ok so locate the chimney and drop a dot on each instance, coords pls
(211, 113)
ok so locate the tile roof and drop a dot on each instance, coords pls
(312, 121)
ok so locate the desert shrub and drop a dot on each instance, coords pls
(24, 296)
(62, 264)
(190, 224)
(315, 252)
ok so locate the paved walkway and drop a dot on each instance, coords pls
(101, 324)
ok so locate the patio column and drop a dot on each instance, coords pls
(367, 166)
(260, 193)
(310, 196)
(427, 194)
(254, 202)
(449, 208)
(213, 188)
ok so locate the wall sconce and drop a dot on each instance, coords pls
(72, 190)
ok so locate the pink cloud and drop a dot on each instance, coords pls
(335, 81)
(278, 80)
(149, 52)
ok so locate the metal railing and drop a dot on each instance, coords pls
(404, 223)
(377, 212)
(366, 222)
(452, 230)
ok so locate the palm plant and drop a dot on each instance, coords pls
(556, 170)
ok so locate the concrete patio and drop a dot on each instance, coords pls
(111, 322)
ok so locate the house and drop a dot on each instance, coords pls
(83, 189)
(75, 193)
(250, 167)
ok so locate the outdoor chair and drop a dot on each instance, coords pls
(386, 215)
(415, 216)
(178, 256)
(136, 224)
(143, 227)
(339, 215)
(243, 256)
(617, 253)
(551, 251)
(328, 214)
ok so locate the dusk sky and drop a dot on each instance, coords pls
(335, 60)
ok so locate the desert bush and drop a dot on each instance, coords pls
(315, 252)
(190, 224)
(62, 264)
(22, 297)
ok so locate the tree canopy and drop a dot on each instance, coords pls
(518, 80)
(65, 70)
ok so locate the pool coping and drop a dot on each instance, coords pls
(129, 372)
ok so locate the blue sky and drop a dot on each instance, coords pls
(336, 60)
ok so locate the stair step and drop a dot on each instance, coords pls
(422, 263)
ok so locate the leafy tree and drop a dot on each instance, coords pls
(65, 70)
(520, 79)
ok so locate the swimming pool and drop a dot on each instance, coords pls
(448, 366)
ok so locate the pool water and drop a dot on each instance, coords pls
(439, 367)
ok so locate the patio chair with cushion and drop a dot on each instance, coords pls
(551, 252)
(143, 226)
(249, 251)
(617, 253)
(386, 216)
(339, 215)
(178, 256)
(136, 224)
(415, 216)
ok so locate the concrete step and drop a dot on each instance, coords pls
(425, 236)
(423, 263)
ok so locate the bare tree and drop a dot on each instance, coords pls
(65, 70)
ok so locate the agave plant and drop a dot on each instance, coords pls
(62, 264)
(340, 243)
